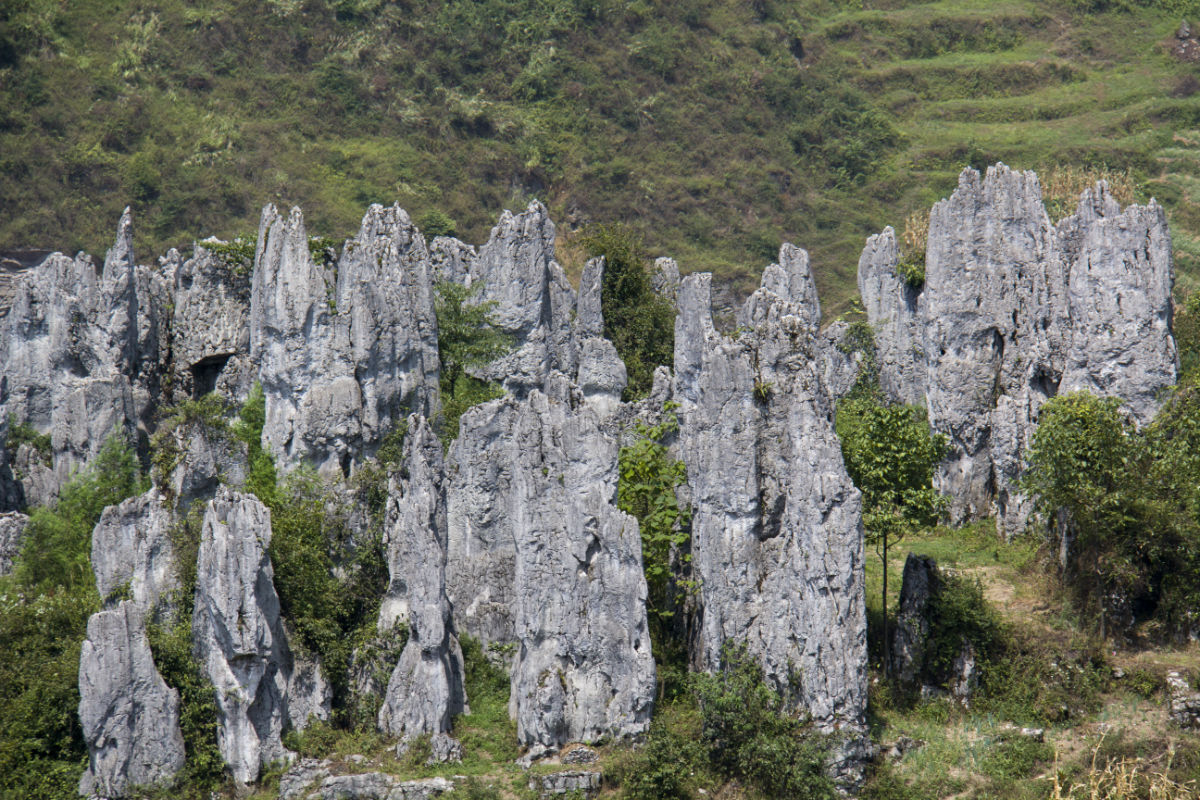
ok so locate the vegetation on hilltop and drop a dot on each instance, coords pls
(714, 128)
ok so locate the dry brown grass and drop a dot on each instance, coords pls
(1062, 185)
(916, 234)
(1124, 779)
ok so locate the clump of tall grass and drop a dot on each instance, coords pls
(1063, 183)
(1123, 779)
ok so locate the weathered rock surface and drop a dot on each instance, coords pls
(12, 538)
(207, 457)
(129, 716)
(583, 782)
(379, 786)
(71, 352)
(1013, 311)
(533, 299)
(210, 329)
(131, 548)
(341, 360)
(1183, 702)
(921, 583)
(426, 687)
(777, 541)
(240, 640)
(540, 556)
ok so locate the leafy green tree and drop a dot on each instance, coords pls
(639, 322)
(467, 339)
(648, 478)
(891, 455)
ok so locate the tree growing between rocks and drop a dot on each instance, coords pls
(466, 340)
(891, 454)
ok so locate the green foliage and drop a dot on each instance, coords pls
(487, 729)
(467, 340)
(639, 323)
(58, 542)
(750, 734)
(44, 608)
(330, 609)
(911, 269)
(959, 614)
(1015, 757)
(171, 645)
(435, 223)
(323, 250)
(665, 769)
(209, 412)
(260, 467)
(891, 456)
(649, 477)
(20, 433)
(237, 255)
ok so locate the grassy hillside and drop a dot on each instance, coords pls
(717, 127)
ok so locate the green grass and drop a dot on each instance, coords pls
(688, 122)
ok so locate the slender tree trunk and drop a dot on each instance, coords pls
(887, 640)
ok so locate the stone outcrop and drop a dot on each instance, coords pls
(76, 350)
(129, 716)
(1013, 311)
(210, 327)
(426, 688)
(921, 583)
(12, 538)
(539, 556)
(577, 783)
(341, 360)
(240, 640)
(777, 543)
(1183, 703)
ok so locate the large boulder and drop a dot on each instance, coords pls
(129, 716)
(540, 557)
(71, 353)
(341, 360)
(12, 538)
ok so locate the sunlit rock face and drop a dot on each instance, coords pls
(1013, 311)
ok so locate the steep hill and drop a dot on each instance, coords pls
(715, 127)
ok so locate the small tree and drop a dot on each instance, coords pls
(639, 322)
(890, 454)
(467, 339)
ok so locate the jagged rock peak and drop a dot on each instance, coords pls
(131, 548)
(1013, 311)
(777, 543)
(240, 641)
(426, 687)
(540, 556)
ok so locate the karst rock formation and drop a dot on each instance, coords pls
(513, 535)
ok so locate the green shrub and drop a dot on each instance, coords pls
(436, 223)
(751, 735)
(639, 323)
(20, 433)
(664, 769)
(960, 615)
(260, 466)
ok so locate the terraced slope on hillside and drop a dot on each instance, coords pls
(717, 128)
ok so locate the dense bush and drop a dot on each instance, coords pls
(637, 320)
(44, 608)
(1127, 503)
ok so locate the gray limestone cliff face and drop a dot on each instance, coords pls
(426, 688)
(341, 360)
(129, 716)
(240, 640)
(210, 328)
(534, 301)
(70, 354)
(777, 543)
(1015, 310)
(539, 556)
